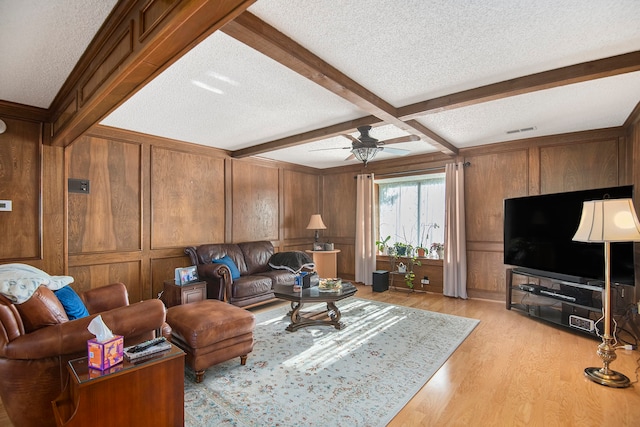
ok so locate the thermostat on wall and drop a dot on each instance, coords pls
(5, 205)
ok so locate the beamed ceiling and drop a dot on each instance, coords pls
(289, 79)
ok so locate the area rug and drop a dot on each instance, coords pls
(361, 375)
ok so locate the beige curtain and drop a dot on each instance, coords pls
(365, 230)
(455, 248)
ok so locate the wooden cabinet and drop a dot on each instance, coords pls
(326, 263)
(147, 393)
(176, 295)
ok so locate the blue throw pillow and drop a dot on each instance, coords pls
(73, 305)
(226, 260)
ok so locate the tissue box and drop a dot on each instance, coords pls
(104, 355)
(306, 279)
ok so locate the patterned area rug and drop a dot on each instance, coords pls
(361, 375)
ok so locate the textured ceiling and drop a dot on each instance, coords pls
(227, 95)
(42, 40)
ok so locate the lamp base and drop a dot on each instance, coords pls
(609, 378)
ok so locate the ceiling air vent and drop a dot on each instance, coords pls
(521, 130)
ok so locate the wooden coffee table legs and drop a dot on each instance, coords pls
(300, 319)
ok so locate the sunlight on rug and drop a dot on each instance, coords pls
(361, 375)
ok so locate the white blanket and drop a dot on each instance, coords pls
(19, 281)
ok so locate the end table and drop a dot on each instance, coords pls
(176, 295)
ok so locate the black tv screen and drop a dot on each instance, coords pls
(538, 233)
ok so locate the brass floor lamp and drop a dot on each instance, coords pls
(606, 221)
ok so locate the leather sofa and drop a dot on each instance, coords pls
(33, 363)
(257, 277)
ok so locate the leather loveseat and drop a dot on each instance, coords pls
(33, 362)
(256, 278)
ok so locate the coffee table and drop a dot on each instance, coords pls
(300, 319)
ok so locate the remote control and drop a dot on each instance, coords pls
(145, 345)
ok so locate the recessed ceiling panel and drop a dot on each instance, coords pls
(413, 50)
(41, 43)
(226, 95)
(583, 106)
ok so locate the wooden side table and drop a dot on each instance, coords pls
(326, 263)
(176, 295)
(149, 392)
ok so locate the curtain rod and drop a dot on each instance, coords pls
(465, 164)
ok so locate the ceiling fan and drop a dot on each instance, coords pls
(365, 147)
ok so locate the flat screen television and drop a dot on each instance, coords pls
(538, 232)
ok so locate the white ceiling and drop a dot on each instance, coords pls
(224, 94)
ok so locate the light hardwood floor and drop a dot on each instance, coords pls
(511, 371)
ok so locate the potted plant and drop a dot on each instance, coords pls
(423, 238)
(408, 279)
(400, 249)
(421, 251)
(382, 245)
(439, 249)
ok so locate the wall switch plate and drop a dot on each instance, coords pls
(6, 205)
(79, 186)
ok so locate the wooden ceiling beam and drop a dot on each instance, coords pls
(252, 31)
(303, 138)
(138, 41)
(442, 144)
(585, 71)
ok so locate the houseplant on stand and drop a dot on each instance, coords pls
(400, 249)
(411, 262)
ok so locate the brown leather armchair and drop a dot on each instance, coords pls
(33, 364)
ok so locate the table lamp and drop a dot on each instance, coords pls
(315, 223)
(606, 221)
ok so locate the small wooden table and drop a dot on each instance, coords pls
(326, 263)
(176, 295)
(145, 392)
(299, 319)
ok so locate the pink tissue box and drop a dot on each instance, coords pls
(104, 355)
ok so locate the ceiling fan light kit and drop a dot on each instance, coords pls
(364, 148)
(364, 154)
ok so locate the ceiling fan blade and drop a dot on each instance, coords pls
(351, 157)
(334, 148)
(350, 138)
(401, 139)
(396, 151)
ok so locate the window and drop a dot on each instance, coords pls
(409, 206)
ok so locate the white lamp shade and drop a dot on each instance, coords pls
(608, 220)
(315, 223)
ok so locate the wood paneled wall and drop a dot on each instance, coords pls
(20, 182)
(339, 215)
(187, 198)
(255, 202)
(512, 169)
(33, 232)
(151, 197)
